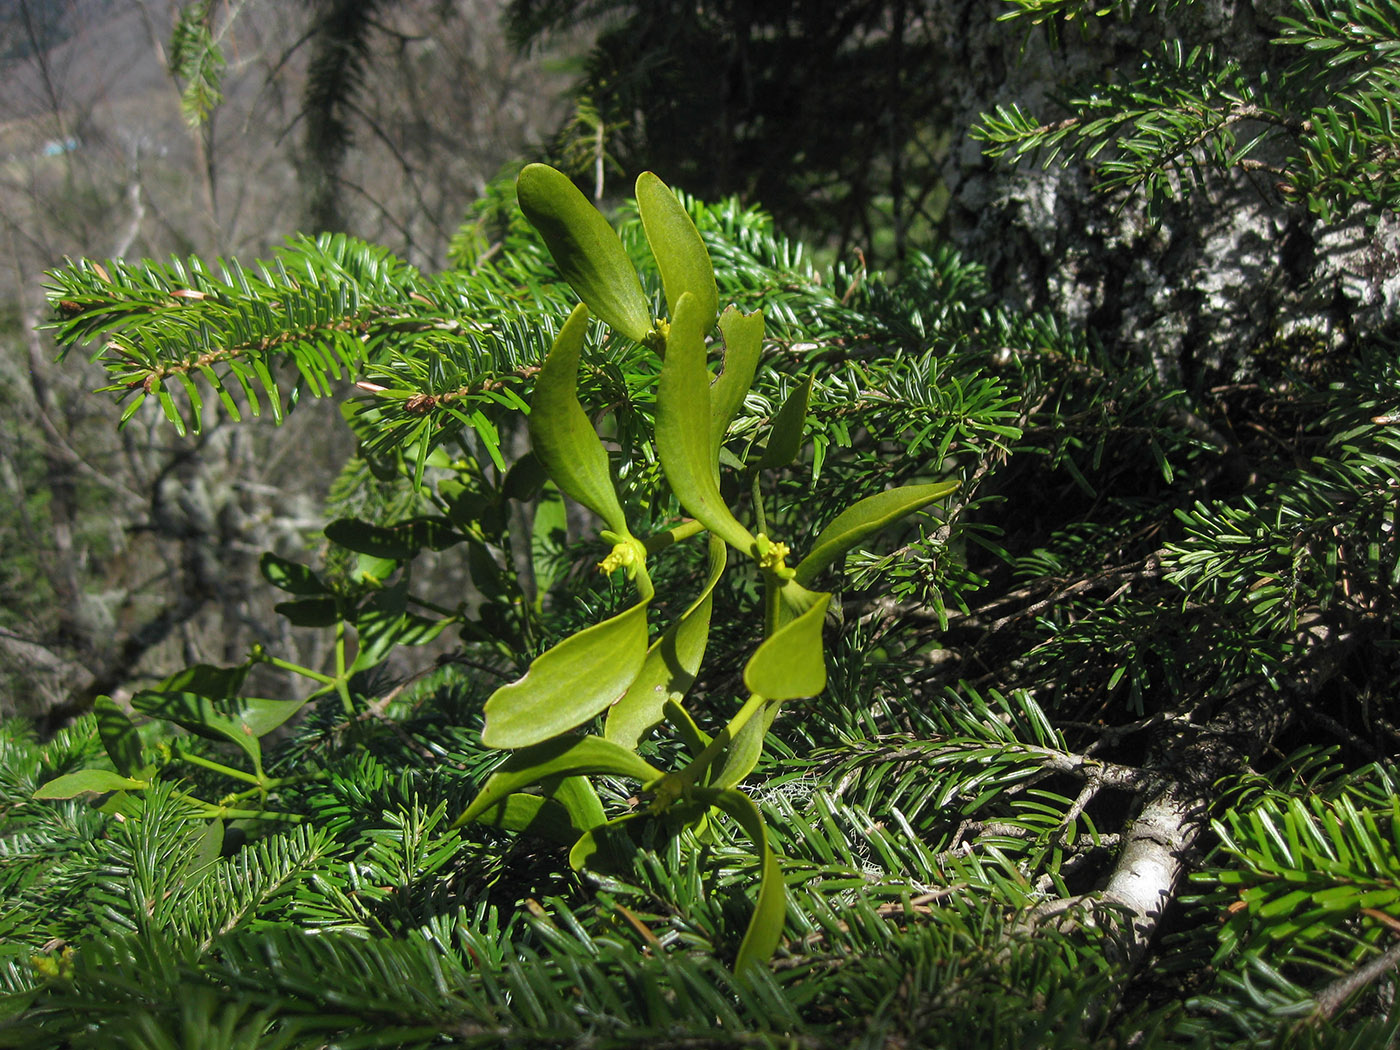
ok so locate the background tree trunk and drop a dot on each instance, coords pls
(1232, 269)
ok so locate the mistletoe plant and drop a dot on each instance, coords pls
(614, 668)
(609, 667)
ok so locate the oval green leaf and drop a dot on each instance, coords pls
(562, 437)
(532, 814)
(570, 683)
(561, 816)
(399, 542)
(549, 533)
(598, 847)
(206, 854)
(683, 422)
(744, 750)
(680, 253)
(291, 576)
(585, 248)
(791, 662)
(766, 927)
(118, 734)
(794, 600)
(385, 623)
(671, 665)
(524, 479)
(580, 801)
(865, 517)
(554, 760)
(241, 720)
(206, 680)
(310, 612)
(87, 780)
(785, 440)
(691, 735)
(743, 341)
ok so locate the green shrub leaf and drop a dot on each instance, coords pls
(118, 734)
(87, 780)
(863, 518)
(604, 846)
(680, 253)
(683, 422)
(742, 754)
(580, 801)
(561, 435)
(585, 248)
(570, 683)
(207, 680)
(310, 612)
(766, 927)
(533, 814)
(671, 664)
(385, 622)
(291, 576)
(554, 760)
(571, 810)
(240, 720)
(791, 662)
(743, 341)
(785, 442)
(398, 542)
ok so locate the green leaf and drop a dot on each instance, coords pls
(791, 662)
(118, 734)
(794, 600)
(238, 719)
(743, 341)
(290, 576)
(553, 760)
(384, 622)
(548, 534)
(683, 428)
(570, 683)
(561, 815)
(400, 542)
(486, 574)
(785, 442)
(671, 664)
(675, 242)
(206, 680)
(310, 612)
(744, 750)
(766, 927)
(580, 801)
(585, 248)
(534, 815)
(865, 517)
(561, 435)
(206, 854)
(468, 508)
(86, 780)
(524, 479)
(372, 570)
(606, 847)
(691, 735)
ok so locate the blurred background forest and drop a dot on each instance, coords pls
(136, 551)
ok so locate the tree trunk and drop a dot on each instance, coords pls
(1229, 270)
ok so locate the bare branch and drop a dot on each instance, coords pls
(1331, 998)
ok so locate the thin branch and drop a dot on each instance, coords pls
(1331, 998)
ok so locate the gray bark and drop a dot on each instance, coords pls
(1228, 270)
